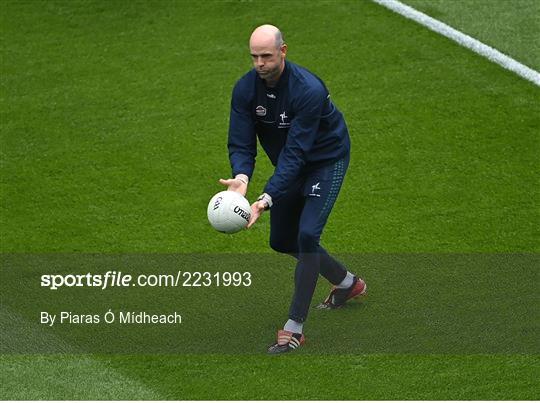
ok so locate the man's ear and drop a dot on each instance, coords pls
(283, 49)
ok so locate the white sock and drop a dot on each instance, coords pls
(347, 281)
(293, 326)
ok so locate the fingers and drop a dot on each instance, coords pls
(256, 209)
(254, 215)
(226, 182)
(235, 185)
(252, 220)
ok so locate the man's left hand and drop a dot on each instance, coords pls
(257, 209)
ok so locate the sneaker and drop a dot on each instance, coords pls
(338, 296)
(286, 341)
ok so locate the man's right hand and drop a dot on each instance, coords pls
(236, 185)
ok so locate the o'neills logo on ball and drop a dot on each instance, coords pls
(244, 214)
(217, 202)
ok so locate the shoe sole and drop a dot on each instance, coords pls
(279, 350)
(329, 306)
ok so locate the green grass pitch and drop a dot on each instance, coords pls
(114, 118)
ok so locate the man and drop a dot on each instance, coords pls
(305, 136)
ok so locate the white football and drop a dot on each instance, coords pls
(228, 211)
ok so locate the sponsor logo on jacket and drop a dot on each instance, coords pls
(260, 110)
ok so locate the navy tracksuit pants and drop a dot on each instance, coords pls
(297, 221)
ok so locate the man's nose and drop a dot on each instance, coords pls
(260, 62)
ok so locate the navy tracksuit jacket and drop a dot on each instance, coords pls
(306, 139)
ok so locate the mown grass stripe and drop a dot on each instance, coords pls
(464, 40)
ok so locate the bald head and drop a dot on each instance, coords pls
(265, 36)
(268, 53)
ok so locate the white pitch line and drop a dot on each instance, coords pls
(464, 40)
